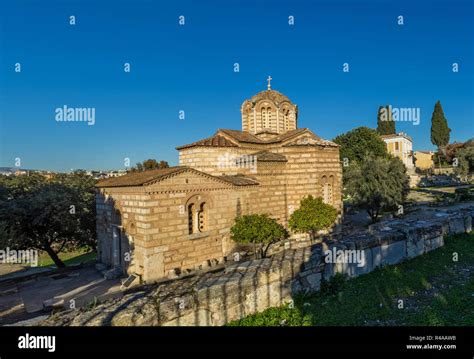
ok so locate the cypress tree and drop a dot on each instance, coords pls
(385, 123)
(439, 129)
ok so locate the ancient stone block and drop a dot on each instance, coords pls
(468, 223)
(364, 266)
(456, 225)
(393, 253)
(434, 243)
(388, 254)
(415, 247)
(175, 307)
(376, 256)
(200, 317)
(312, 281)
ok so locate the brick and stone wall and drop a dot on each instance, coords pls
(244, 288)
(153, 220)
(282, 184)
(121, 209)
(155, 229)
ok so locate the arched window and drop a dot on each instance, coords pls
(202, 218)
(263, 117)
(191, 221)
(328, 193)
(285, 121)
(326, 189)
(197, 217)
(269, 118)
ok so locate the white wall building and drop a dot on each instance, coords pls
(401, 146)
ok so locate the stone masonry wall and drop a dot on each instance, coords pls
(154, 224)
(241, 289)
(306, 168)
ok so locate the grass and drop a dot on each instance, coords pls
(432, 289)
(69, 258)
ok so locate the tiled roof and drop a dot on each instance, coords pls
(266, 156)
(214, 141)
(271, 95)
(287, 135)
(239, 180)
(242, 136)
(142, 178)
(139, 178)
(218, 140)
(309, 141)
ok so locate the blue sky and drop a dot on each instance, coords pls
(190, 68)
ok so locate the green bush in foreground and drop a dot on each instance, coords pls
(275, 317)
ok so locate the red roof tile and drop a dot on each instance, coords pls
(214, 141)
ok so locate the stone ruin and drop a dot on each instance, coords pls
(244, 288)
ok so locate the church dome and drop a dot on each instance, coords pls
(269, 111)
(271, 95)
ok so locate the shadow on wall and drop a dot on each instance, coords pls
(115, 236)
(212, 298)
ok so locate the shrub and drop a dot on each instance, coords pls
(312, 216)
(259, 230)
(334, 285)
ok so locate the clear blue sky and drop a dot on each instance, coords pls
(190, 68)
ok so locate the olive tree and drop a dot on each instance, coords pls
(376, 184)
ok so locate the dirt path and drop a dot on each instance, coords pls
(22, 299)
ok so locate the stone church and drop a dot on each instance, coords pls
(159, 222)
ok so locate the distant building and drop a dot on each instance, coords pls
(401, 146)
(118, 173)
(7, 171)
(106, 174)
(424, 159)
(20, 172)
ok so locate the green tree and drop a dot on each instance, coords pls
(259, 230)
(357, 143)
(83, 190)
(149, 164)
(377, 184)
(312, 216)
(439, 129)
(47, 215)
(385, 123)
(469, 143)
(449, 153)
(465, 162)
(18, 186)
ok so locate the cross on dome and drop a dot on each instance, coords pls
(269, 86)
